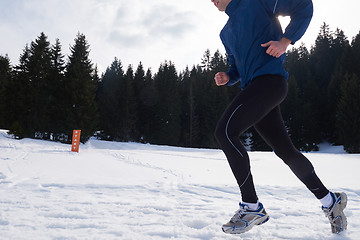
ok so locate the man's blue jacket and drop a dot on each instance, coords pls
(254, 22)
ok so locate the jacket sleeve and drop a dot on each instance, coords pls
(232, 72)
(300, 12)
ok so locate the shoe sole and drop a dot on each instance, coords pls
(267, 219)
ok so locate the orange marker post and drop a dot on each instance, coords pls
(75, 141)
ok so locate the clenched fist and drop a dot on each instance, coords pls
(221, 78)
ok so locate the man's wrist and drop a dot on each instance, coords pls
(285, 41)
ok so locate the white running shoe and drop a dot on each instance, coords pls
(244, 219)
(335, 212)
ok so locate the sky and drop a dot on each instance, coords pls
(150, 31)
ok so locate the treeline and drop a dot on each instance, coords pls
(324, 92)
(46, 96)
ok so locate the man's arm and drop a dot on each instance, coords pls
(232, 74)
(300, 12)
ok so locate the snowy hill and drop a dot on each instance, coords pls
(135, 191)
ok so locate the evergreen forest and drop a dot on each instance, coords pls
(47, 95)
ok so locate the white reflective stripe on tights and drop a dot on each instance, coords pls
(226, 130)
(227, 135)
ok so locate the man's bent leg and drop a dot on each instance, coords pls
(272, 129)
(248, 107)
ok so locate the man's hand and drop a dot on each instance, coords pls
(277, 48)
(221, 78)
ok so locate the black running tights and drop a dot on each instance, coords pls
(258, 105)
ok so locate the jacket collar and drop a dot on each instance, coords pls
(231, 8)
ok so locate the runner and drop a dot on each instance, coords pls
(256, 46)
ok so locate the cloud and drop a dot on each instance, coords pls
(151, 24)
(169, 21)
(126, 39)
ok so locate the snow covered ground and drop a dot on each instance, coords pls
(134, 191)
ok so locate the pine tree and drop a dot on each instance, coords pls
(194, 106)
(17, 97)
(145, 98)
(109, 93)
(322, 50)
(148, 98)
(39, 78)
(189, 120)
(167, 110)
(218, 63)
(56, 90)
(204, 108)
(339, 46)
(142, 116)
(206, 60)
(300, 108)
(219, 95)
(297, 64)
(129, 107)
(209, 100)
(354, 61)
(313, 115)
(333, 97)
(31, 95)
(80, 106)
(5, 70)
(187, 108)
(349, 114)
(6, 77)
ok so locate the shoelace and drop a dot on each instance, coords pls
(328, 213)
(239, 214)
